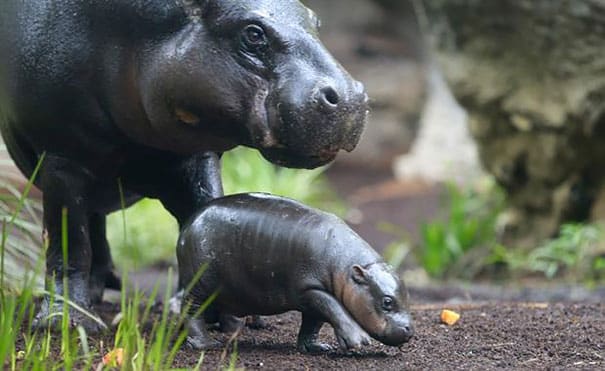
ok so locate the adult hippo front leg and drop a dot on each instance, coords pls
(102, 269)
(66, 222)
(190, 184)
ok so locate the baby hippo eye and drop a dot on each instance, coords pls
(254, 36)
(387, 303)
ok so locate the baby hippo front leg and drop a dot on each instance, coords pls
(349, 334)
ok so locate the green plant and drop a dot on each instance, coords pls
(447, 247)
(245, 170)
(22, 348)
(577, 253)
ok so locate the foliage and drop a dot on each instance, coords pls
(143, 348)
(465, 244)
(152, 232)
(397, 251)
(141, 235)
(577, 253)
(245, 170)
(469, 226)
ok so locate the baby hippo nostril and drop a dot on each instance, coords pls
(409, 331)
(329, 97)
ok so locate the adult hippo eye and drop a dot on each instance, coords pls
(254, 36)
(387, 303)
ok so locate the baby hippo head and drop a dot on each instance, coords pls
(378, 300)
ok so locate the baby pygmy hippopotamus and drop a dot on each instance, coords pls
(264, 255)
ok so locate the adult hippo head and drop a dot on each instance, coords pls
(253, 72)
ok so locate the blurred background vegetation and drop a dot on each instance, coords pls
(506, 187)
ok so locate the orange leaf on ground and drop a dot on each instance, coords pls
(114, 358)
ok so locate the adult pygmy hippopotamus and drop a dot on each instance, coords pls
(139, 98)
(263, 254)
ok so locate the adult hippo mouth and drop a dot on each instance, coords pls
(283, 157)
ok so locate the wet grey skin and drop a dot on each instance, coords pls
(266, 255)
(149, 94)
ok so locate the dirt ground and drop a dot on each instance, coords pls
(520, 326)
(489, 336)
(523, 326)
(511, 335)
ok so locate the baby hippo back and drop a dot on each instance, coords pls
(261, 251)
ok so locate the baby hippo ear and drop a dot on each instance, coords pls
(359, 274)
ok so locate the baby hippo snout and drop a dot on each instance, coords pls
(399, 330)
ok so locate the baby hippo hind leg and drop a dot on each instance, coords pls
(256, 323)
(198, 337)
(230, 324)
(308, 335)
(197, 332)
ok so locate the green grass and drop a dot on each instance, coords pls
(148, 339)
(70, 348)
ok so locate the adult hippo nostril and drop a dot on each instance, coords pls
(329, 97)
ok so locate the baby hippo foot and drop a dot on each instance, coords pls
(200, 342)
(314, 347)
(308, 336)
(352, 338)
(51, 316)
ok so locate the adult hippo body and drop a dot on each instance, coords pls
(260, 255)
(142, 96)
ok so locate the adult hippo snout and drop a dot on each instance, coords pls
(318, 110)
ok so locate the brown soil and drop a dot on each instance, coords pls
(500, 328)
(488, 336)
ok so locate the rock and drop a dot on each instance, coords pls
(530, 74)
(444, 150)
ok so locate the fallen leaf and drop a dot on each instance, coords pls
(114, 358)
